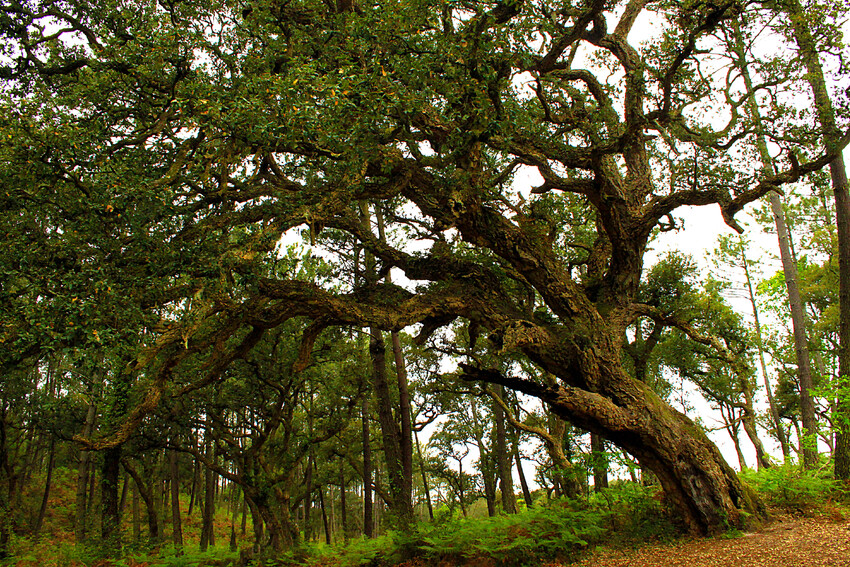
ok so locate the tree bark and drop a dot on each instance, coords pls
(485, 466)
(774, 412)
(424, 477)
(51, 459)
(696, 479)
(207, 529)
(801, 344)
(81, 512)
(176, 521)
(526, 491)
(147, 495)
(809, 52)
(503, 454)
(136, 522)
(789, 268)
(110, 528)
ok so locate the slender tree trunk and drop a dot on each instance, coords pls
(122, 503)
(325, 521)
(343, 504)
(176, 522)
(42, 511)
(81, 512)
(207, 531)
(147, 495)
(774, 412)
(810, 54)
(137, 528)
(308, 499)
(748, 420)
(110, 528)
(243, 527)
(7, 484)
(395, 448)
(406, 429)
(732, 427)
(424, 477)
(526, 491)
(196, 479)
(801, 345)
(484, 466)
(503, 456)
(600, 462)
(789, 267)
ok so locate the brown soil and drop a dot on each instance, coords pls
(822, 541)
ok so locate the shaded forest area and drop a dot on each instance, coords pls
(284, 273)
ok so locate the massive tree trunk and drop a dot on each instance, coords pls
(695, 477)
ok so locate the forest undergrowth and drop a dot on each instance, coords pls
(555, 532)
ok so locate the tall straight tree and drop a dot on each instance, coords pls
(802, 21)
(789, 264)
(733, 251)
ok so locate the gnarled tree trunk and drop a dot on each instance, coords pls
(695, 477)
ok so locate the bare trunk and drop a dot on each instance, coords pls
(526, 491)
(134, 502)
(484, 465)
(404, 416)
(368, 513)
(503, 457)
(176, 522)
(801, 345)
(207, 529)
(110, 528)
(809, 52)
(789, 267)
(325, 521)
(424, 477)
(600, 462)
(51, 459)
(774, 412)
(150, 504)
(81, 512)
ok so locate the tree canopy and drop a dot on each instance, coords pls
(155, 154)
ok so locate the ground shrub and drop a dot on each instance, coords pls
(543, 532)
(791, 488)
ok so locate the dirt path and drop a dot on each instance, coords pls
(804, 542)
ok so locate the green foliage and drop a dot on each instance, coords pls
(540, 533)
(636, 513)
(792, 488)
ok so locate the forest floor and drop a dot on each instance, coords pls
(820, 541)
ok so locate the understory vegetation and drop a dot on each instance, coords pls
(626, 514)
